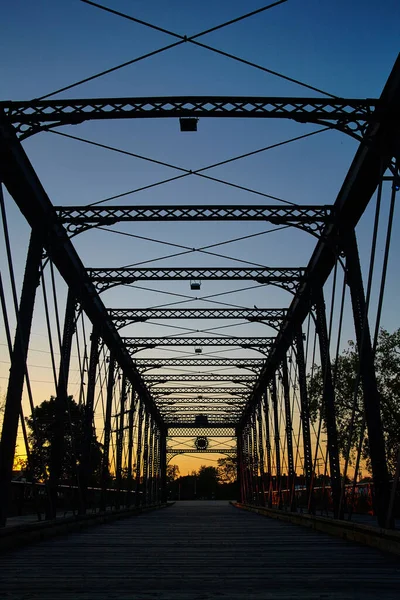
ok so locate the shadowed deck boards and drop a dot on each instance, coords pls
(197, 551)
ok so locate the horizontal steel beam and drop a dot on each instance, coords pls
(134, 345)
(202, 403)
(198, 391)
(311, 218)
(208, 431)
(269, 316)
(176, 451)
(287, 278)
(34, 115)
(236, 378)
(159, 363)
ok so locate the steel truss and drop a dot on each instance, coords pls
(198, 391)
(260, 344)
(213, 419)
(310, 218)
(348, 115)
(269, 316)
(144, 364)
(225, 401)
(287, 278)
(365, 173)
(237, 378)
(190, 430)
(174, 452)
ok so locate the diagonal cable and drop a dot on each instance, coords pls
(182, 40)
(186, 172)
(193, 40)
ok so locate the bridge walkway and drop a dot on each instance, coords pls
(197, 551)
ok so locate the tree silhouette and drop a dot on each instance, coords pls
(345, 371)
(41, 425)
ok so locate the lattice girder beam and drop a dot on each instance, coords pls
(190, 430)
(258, 344)
(203, 402)
(175, 451)
(144, 364)
(239, 379)
(349, 115)
(168, 392)
(272, 317)
(311, 218)
(286, 278)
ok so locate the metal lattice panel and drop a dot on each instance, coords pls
(198, 390)
(287, 278)
(236, 378)
(348, 115)
(192, 431)
(156, 363)
(202, 402)
(311, 218)
(175, 451)
(259, 344)
(269, 316)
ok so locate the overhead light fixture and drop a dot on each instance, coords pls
(188, 123)
(195, 284)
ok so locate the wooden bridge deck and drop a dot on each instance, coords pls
(197, 551)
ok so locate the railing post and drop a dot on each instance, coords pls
(329, 400)
(18, 368)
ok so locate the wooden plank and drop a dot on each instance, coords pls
(197, 551)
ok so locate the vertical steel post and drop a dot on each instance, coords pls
(146, 458)
(368, 378)
(130, 447)
(239, 465)
(18, 369)
(105, 473)
(305, 410)
(163, 466)
(329, 400)
(261, 453)
(157, 465)
(268, 448)
(274, 399)
(138, 499)
(61, 405)
(88, 427)
(151, 458)
(289, 431)
(120, 439)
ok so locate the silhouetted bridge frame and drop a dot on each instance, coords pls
(374, 122)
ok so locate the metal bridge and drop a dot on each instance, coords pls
(207, 369)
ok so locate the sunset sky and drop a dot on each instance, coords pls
(342, 48)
